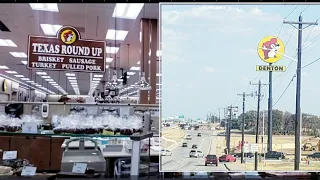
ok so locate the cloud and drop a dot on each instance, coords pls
(209, 69)
(220, 18)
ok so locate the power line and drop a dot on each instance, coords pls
(310, 63)
(304, 9)
(284, 91)
(291, 12)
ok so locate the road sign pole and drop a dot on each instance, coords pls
(270, 112)
(257, 126)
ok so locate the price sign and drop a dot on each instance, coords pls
(8, 155)
(253, 147)
(28, 171)
(246, 148)
(125, 111)
(79, 168)
(30, 127)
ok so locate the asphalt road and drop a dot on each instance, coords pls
(180, 160)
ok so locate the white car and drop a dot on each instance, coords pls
(196, 154)
(166, 153)
(189, 137)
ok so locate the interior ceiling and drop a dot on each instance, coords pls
(93, 22)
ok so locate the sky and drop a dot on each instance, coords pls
(209, 55)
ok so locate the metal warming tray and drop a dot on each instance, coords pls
(92, 157)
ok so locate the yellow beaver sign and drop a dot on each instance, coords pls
(270, 49)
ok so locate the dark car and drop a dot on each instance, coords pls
(274, 155)
(211, 159)
(314, 155)
(248, 155)
(184, 144)
(194, 146)
(189, 128)
(199, 134)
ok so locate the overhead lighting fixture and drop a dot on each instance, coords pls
(50, 29)
(30, 81)
(49, 80)
(112, 50)
(4, 67)
(131, 73)
(73, 83)
(25, 79)
(41, 73)
(7, 43)
(127, 10)
(109, 60)
(72, 80)
(11, 72)
(53, 7)
(70, 74)
(20, 76)
(98, 75)
(107, 66)
(96, 79)
(46, 77)
(135, 68)
(72, 77)
(18, 54)
(52, 82)
(24, 62)
(38, 85)
(118, 35)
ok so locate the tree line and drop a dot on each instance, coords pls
(283, 122)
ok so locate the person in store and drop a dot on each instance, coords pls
(64, 98)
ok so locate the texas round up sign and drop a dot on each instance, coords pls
(66, 51)
(270, 49)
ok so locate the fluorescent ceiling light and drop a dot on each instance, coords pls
(46, 77)
(158, 74)
(108, 60)
(7, 43)
(52, 82)
(33, 83)
(72, 77)
(107, 66)
(98, 75)
(73, 83)
(20, 76)
(53, 7)
(30, 81)
(4, 67)
(127, 10)
(72, 80)
(18, 54)
(135, 68)
(24, 62)
(49, 80)
(41, 73)
(96, 79)
(50, 29)
(57, 86)
(38, 85)
(112, 50)
(25, 79)
(131, 73)
(70, 74)
(120, 80)
(118, 35)
(11, 72)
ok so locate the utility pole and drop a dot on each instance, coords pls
(297, 154)
(230, 109)
(243, 121)
(270, 131)
(257, 123)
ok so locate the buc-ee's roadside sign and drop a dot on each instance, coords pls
(270, 49)
(271, 68)
(67, 51)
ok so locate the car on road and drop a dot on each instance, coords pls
(189, 128)
(196, 154)
(248, 155)
(166, 153)
(188, 137)
(227, 158)
(211, 159)
(194, 146)
(184, 144)
(314, 155)
(199, 134)
(274, 155)
(222, 134)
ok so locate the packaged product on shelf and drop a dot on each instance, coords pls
(10, 124)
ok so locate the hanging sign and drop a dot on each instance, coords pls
(271, 68)
(67, 51)
(271, 49)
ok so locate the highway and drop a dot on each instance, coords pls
(180, 160)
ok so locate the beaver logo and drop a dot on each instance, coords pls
(68, 36)
(270, 48)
